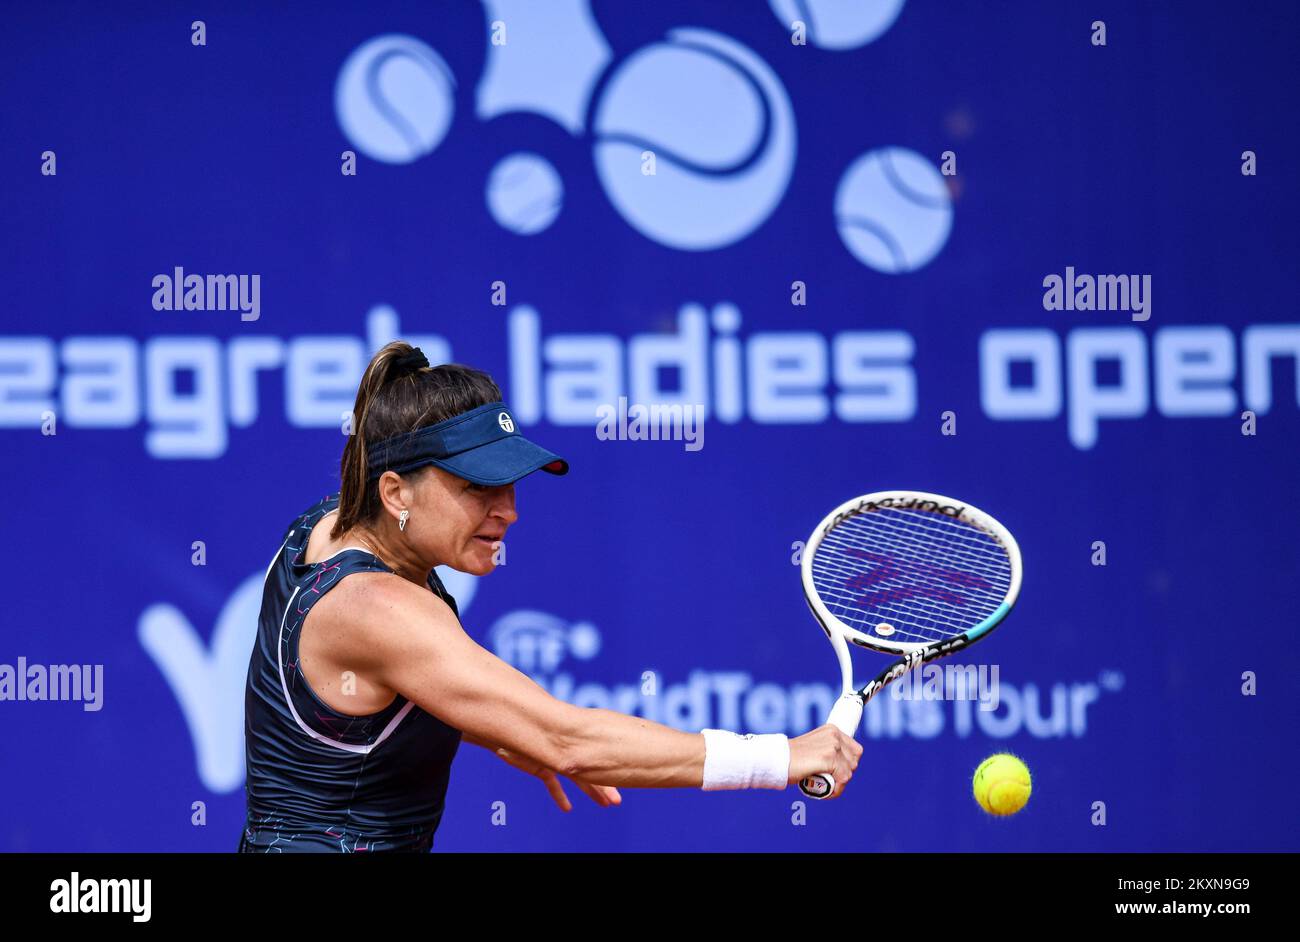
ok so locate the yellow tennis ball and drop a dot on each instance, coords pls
(1002, 784)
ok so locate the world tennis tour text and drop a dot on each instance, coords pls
(732, 700)
(191, 390)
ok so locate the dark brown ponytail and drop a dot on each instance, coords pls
(394, 397)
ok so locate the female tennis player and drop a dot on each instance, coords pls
(363, 683)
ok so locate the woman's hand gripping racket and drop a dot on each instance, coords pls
(906, 573)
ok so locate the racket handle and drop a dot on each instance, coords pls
(845, 716)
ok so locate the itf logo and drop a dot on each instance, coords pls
(538, 642)
(693, 138)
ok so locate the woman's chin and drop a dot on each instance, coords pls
(477, 565)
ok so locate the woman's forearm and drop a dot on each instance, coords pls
(612, 748)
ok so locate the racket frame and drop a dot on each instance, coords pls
(847, 711)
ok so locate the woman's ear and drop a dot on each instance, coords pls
(391, 497)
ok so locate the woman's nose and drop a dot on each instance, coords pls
(505, 504)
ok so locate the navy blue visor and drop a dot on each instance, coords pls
(482, 446)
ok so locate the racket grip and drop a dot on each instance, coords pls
(845, 716)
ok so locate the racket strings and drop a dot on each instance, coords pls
(974, 549)
(939, 573)
(904, 619)
(975, 574)
(912, 619)
(924, 533)
(920, 623)
(934, 573)
(927, 575)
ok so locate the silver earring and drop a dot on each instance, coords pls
(401, 520)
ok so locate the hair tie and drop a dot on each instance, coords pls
(409, 362)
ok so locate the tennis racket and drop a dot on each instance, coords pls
(916, 575)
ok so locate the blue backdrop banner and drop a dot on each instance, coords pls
(737, 263)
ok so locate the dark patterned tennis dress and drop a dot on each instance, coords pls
(319, 780)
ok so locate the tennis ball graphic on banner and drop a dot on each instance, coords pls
(721, 131)
(524, 193)
(394, 98)
(839, 24)
(892, 210)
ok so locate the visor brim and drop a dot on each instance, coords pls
(503, 461)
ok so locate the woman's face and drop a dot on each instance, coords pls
(459, 524)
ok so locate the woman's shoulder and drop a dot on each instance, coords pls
(366, 615)
(327, 504)
(309, 517)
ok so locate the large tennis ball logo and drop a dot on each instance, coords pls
(394, 98)
(720, 130)
(839, 24)
(892, 210)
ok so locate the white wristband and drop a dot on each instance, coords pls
(732, 761)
